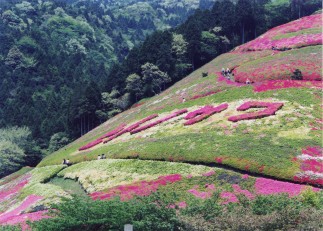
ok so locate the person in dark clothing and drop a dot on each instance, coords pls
(64, 161)
(103, 157)
(68, 163)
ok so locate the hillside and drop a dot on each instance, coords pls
(64, 65)
(293, 124)
(206, 135)
(50, 50)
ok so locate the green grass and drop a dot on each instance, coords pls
(68, 185)
(271, 142)
(98, 175)
(207, 140)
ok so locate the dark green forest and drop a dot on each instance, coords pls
(67, 66)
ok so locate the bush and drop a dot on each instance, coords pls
(263, 205)
(297, 75)
(79, 213)
(313, 199)
(205, 74)
(206, 209)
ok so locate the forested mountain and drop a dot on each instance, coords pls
(61, 62)
(51, 50)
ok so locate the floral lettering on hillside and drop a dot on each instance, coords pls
(270, 109)
(203, 113)
(192, 118)
(171, 116)
(132, 127)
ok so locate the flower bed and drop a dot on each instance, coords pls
(280, 84)
(12, 177)
(132, 127)
(308, 61)
(271, 37)
(113, 132)
(117, 132)
(91, 144)
(204, 95)
(311, 166)
(100, 139)
(27, 203)
(270, 109)
(23, 218)
(171, 116)
(142, 188)
(203, 113)
(228, 197)
(269, 187)
(13, 188)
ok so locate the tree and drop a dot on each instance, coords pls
(245, 17)
(14, 143)
(14, 58)
(11, 157)
(154, 78)
(57, 141)
(278, 12)
(109, 105)
(179, 46)
(135, 85)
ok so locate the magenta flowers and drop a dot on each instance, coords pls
(311, 169)
(268, 187)
(171, 116)
(132, 127)
(270, 39)
(13, 214)
(203, 113)
(279, 84)
(117, 132)
(13, 188)
(270, 109)
(192, 117)
(142, 188)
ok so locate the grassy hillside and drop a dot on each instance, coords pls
(267, 145)
(209, 138)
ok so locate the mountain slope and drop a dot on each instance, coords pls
(52, 53)
(240, 143)
(266, 145)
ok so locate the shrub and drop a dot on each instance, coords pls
(311, 198)
(297, 75)
(205, 74)
(263, 205)
(146, 213)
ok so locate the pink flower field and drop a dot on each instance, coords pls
(311, 166)
(17, 215)
(142, 188)
(13, 188)
(282, 66)
(281, 84)
(270, 38)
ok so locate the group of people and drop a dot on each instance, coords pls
(66, 162)
(101, 157)
(227, 73)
